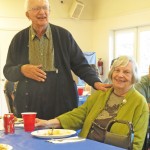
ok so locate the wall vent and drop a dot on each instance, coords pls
(76, 9)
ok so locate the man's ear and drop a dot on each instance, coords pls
(27, 14)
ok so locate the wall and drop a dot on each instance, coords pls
(103, 28)
(58, 9)
(116, 14)
(112, 8)
(80, 29)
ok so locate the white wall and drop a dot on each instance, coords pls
(111, 8)
(103, 27)
(15, 9)
(80, 29)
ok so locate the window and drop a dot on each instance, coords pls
(144, 49)
(134, 42)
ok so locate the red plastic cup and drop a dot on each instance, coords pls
(80, 91)
(29, 121)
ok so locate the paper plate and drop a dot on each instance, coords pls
(57, 133)
(21, 125)
(19, 120)
(5, 146)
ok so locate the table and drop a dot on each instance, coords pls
(82, 99)
(25, 141)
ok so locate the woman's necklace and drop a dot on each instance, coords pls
(121, 93)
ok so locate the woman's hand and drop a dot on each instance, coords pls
(52, 123)
(41, 123)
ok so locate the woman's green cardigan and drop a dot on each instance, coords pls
(134, 110)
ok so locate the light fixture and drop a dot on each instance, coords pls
(76, 9)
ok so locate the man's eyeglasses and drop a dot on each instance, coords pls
(36, 9)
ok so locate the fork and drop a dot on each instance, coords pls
(52, 130)
(76, 138)
(1, 134)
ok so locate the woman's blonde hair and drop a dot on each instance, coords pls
(123, 61)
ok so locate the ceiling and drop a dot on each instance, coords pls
(59, 8)
(93, 9)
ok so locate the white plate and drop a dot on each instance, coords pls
(21, 125)
(85, 93)
(19, 120)
(57, 133)
(6, 146)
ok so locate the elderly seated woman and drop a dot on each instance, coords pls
(121, 102)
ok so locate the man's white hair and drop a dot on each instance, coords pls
(27, 4)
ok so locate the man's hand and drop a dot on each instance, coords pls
(33, 72)
(102, 86)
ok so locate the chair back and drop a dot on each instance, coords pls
(147, 138)
(7, 101)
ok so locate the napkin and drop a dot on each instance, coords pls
(1, 124)
(67, 140)
(85, 93)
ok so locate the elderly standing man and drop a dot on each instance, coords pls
(121, 102)
(41, 58)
